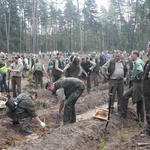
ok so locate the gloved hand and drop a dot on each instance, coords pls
(42, 124)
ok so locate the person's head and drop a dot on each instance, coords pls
(83, 60)
(117, 55)
(16, 58)
(76, 61)
(93, 54)
(33, 94)
(59, 55)
(50, 86)
(134, 55)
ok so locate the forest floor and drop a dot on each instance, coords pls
(86, 134)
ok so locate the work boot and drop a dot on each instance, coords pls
(26, 131)
(15, 122)
(145, 134)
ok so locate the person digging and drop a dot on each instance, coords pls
(25, 109)
(68, 91)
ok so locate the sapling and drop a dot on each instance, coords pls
(102, 145)
(121, 134)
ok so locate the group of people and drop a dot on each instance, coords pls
(68, 83)
(115, 71)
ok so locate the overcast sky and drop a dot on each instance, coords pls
(98, 2)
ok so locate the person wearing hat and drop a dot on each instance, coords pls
(68, 90)
(26, 109)
(16, 71)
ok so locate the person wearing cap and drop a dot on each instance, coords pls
(26, 109)
(68, 91)
(16, 71)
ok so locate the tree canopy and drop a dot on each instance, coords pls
(33, 25)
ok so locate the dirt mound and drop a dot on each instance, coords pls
(87, 134)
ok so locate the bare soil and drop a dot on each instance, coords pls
(86, 133)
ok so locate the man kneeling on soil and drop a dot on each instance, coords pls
(68, 90)
(26, 109)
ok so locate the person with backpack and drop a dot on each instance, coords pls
(25, 110)
(115, 70)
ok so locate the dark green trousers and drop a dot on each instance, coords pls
(118, 86)
(69, 108)
(15, 117)
(147, 109)
(16, 82)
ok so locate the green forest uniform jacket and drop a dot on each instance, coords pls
(26, 105)
(73, 88)
(137, 72)
(72, 70)
(146, 91)
(146, 79)
(57, 68)
(19, 67)
(69, 84)
(137, 78)
(38, 67)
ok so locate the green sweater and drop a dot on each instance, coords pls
(137, 73)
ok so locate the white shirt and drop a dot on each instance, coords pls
(60, 93)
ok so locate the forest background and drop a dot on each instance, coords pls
(32, 25)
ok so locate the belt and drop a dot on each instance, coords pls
(16, 77)
(117, 79)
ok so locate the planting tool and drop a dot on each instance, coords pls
(56, 121)
(109, 109)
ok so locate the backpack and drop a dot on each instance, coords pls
(12, 104)
(4, 69)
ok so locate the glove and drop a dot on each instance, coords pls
(43, 125)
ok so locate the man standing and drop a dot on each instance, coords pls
(137, 78)
(16, 69)
(68, 90)
(88, 67)
(26, 109)
(57, 67)
(146, 90)
(136, 90)
(38, 69)
(115, 70)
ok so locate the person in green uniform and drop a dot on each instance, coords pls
(26, 109)
(68, 90)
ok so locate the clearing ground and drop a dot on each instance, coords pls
(86, 134)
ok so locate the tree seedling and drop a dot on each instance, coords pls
(121, 134)
(102, 145)
(41, 106)
(140, 123)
